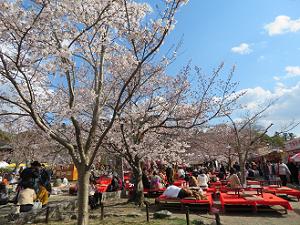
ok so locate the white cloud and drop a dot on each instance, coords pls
(282, 24)
(242, 49)
(292, 71)
(282, 112)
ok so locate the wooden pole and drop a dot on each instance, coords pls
(47, 214)
(187, 215)
(217, 215)
(218, 221)
(102, 211)
(147, 210)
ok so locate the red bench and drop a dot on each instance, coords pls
(266, 199)
(282, 190)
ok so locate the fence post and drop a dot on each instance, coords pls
(218, 221)
(147, 210)
(102, 211)
(217, 215)
(187, 215)
(47, 214)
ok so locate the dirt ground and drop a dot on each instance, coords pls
(128, 214)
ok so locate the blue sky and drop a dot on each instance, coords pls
(261, 37)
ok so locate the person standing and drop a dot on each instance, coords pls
(266, 171)
(283, 172)
(294, 172)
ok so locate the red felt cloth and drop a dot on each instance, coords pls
(268, 199)
(211, 190)
(103, 183)
(127, 177)
(253, 182)
(102, 188)
(215, 184)
(275, 190)
(104, 180)
(227, 199)
(179, 183)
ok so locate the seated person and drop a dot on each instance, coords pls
(156, 181)
(26, 197)
(163, 176)
(65, 181)
(250, 174)
(176, 192)
(3, 194)
(193, 182)
(57, 182)
(233, 179)
(203, 179)
(13, 179)
(221, 175)
(73, 189)
(43, 195)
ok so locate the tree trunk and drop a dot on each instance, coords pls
(138, 191)
(229, 162)
(242, 168)
(83, 195)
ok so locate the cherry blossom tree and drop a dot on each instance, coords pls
(33, 144)
(212, 143)
(246, 136)
(74, 62)
(28, 146)
(162, 115)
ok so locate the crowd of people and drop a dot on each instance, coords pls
(157, 178)
(271, 171)
(33, 184)
(33, 187)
